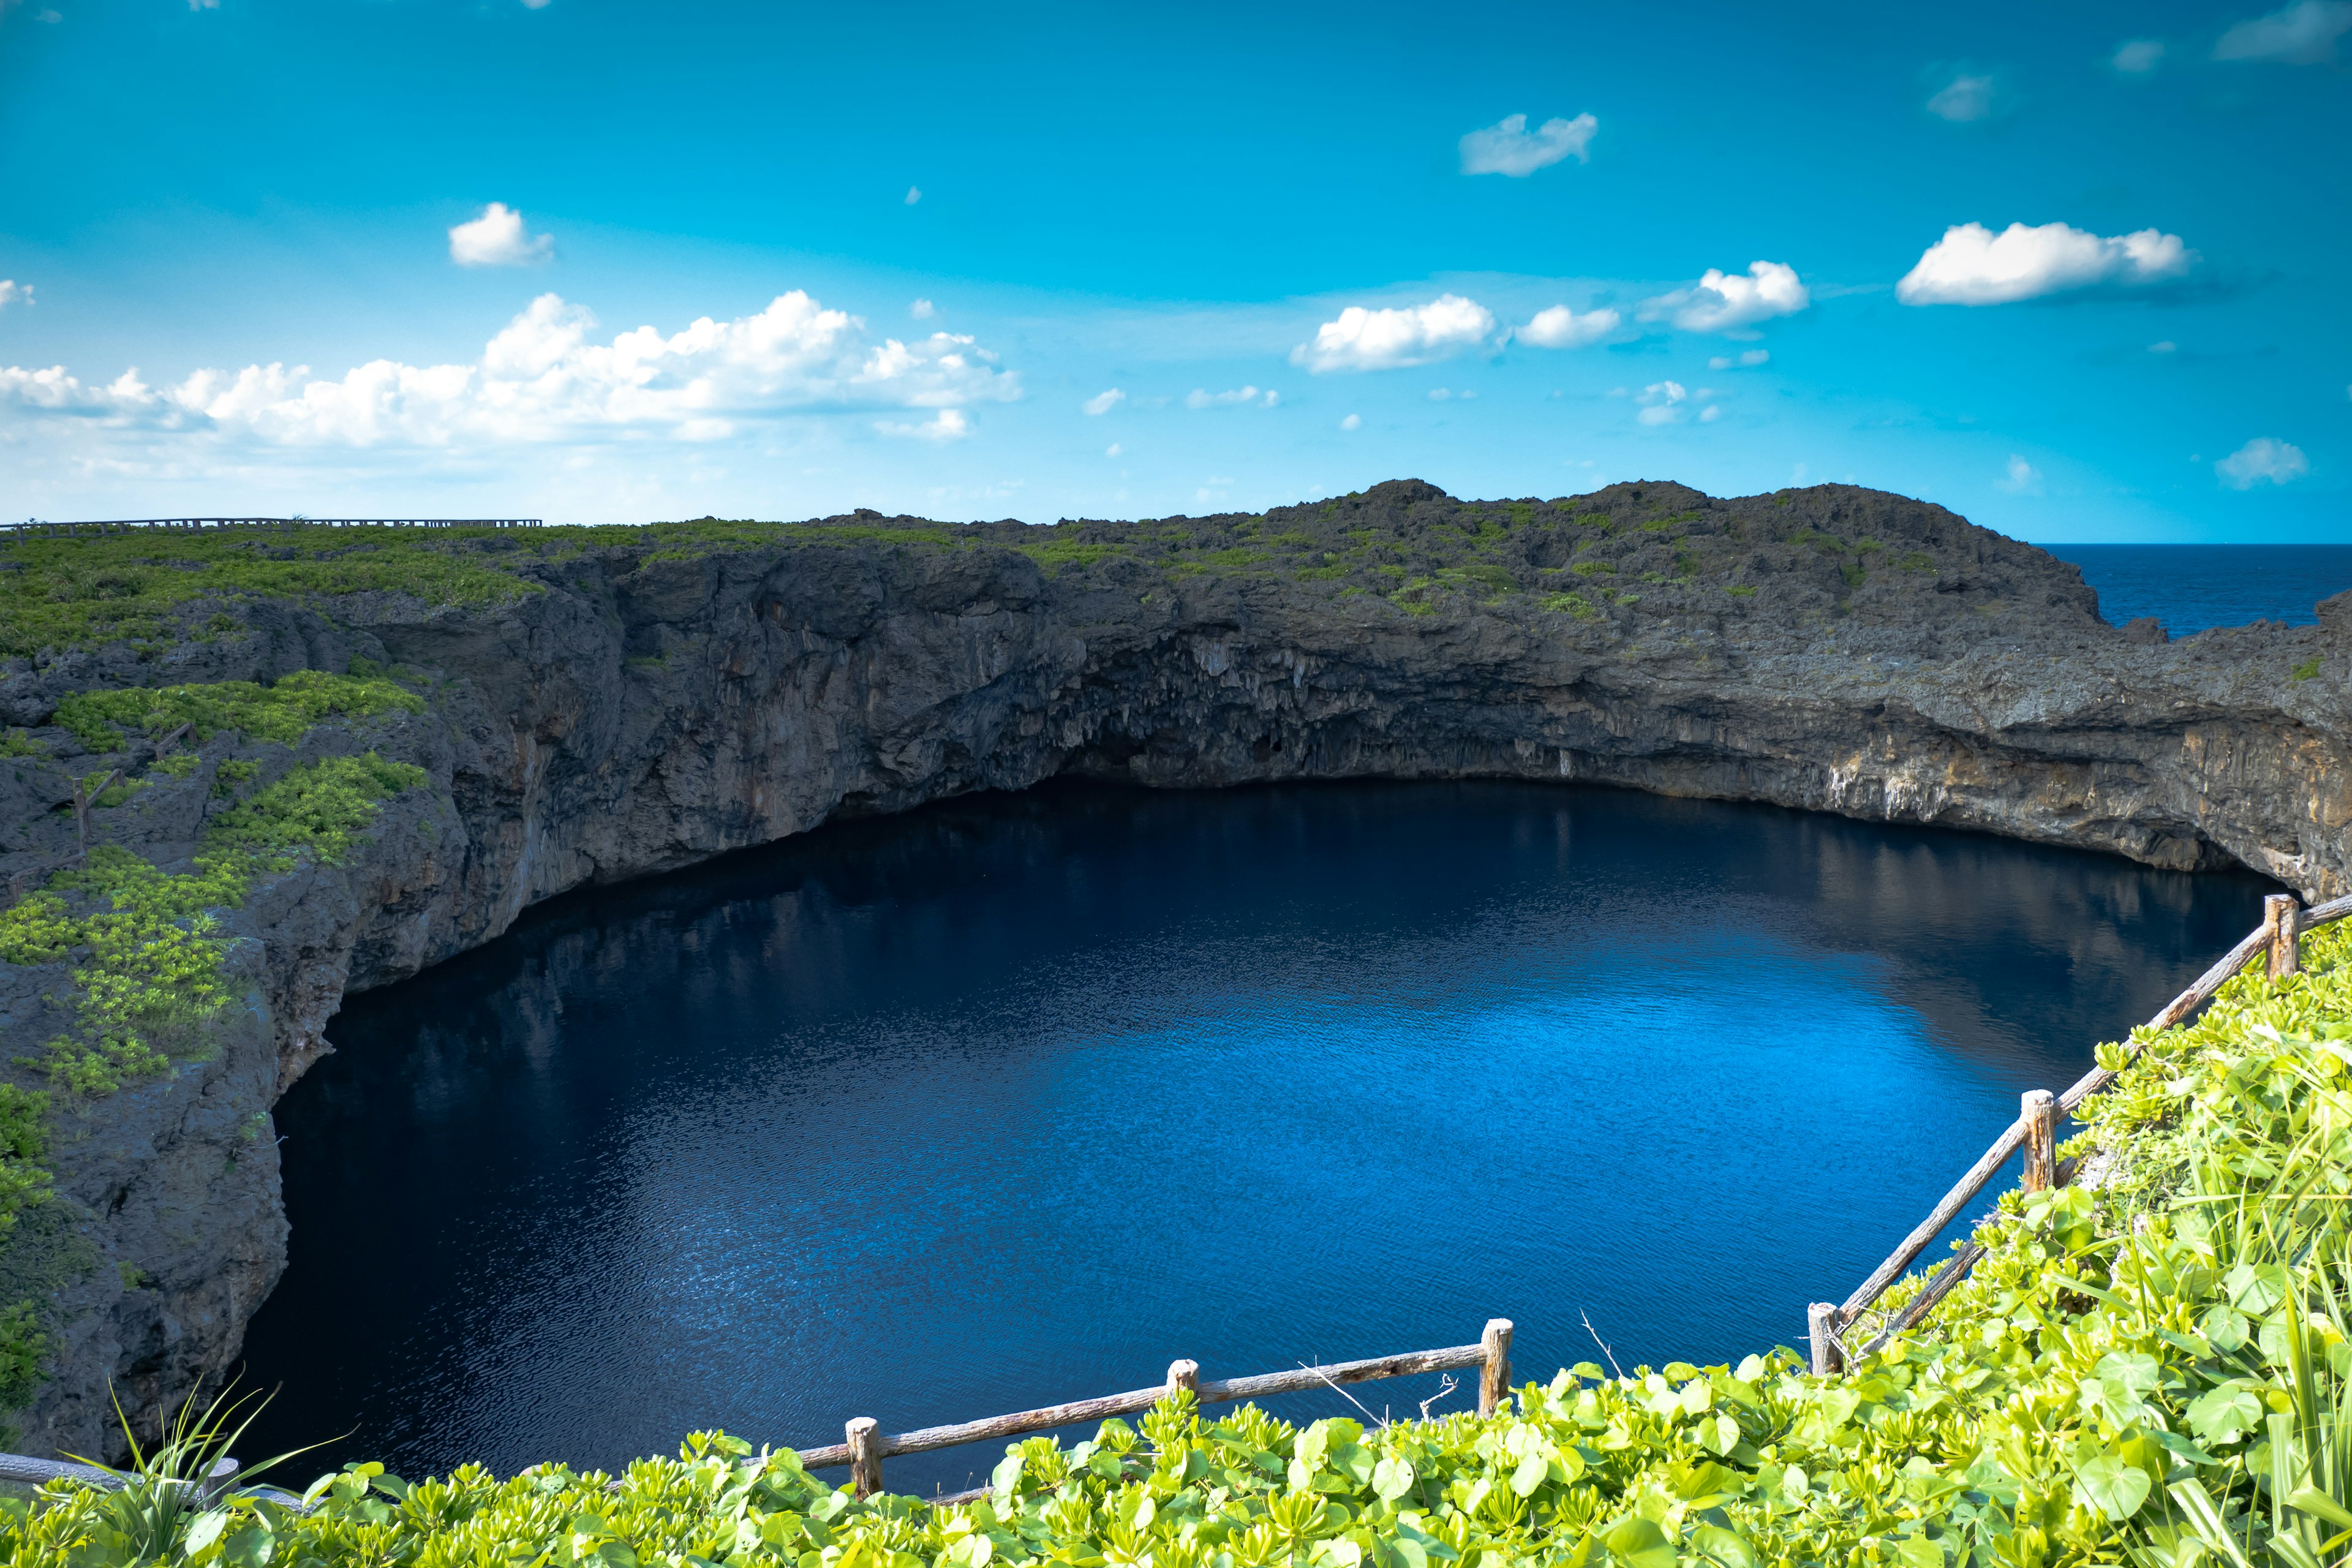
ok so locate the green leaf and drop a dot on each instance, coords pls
(1638, 1542)
(2319, 1505)
(2112, 1486)
(1727, 1547)
(1918, 1552)
(2224, 1329)
(1531, 1473)
(208, 1527)
(1392, 1479)
(2224, 1414)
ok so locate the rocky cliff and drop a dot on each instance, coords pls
(619, 702)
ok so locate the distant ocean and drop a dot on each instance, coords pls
(2194, 587)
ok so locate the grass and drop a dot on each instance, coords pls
(80, 592)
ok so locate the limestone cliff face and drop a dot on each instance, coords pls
(644, 714)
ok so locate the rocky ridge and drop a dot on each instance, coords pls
(644, 700)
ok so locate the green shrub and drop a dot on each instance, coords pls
(283, 712)
(2308, 670)
(78, 592)
(148, 947)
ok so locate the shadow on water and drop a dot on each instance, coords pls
(1018, 1098)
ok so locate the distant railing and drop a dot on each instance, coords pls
(34, 527)
(2035, 1131)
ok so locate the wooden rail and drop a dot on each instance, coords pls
(34, 527)
(2279, 935)
(865, 1446)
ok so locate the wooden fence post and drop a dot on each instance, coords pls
(1494, 1372)
(1820, 1327)
(864, 1456)
(2039, 1110)
(1184, 1374)
(2283, 918)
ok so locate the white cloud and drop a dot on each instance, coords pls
(1562, 328)
(2304, 34)
(48, 16)
(11, 291)
(2020, 478)
(1747, 359)
(535, 4)
(1113, 450)
(922, 309)
(1352, 422)
(1963, 98)
(542, 379)
(952, 425)
(1709, 414)
(1971, 266)
(2261, 458)
(2167, 347)
(914, 195)
(496, 239)
(1508, 148)
(1663, 403)
(1730, 303)
(1202, 397)
(1440, 394)
(1392, 339)
(2138, 56)
(1103, 402)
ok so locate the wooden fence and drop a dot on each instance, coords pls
(865, 1445)
(38, 530)
(1830, 1324)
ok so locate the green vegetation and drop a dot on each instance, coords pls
(1741, 590)
(77, 592)
(145, 944)
(2156, 1370)
(283, 712)
(2307, 670)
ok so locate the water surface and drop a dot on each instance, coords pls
(2194, 587)
(1016, 1099)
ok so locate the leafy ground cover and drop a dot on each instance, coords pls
(2153, 1368)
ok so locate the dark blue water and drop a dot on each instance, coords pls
(1017, 1098)
(2194, 587)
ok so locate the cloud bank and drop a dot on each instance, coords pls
(1730, 303)
(2262, 460)
(1562, 328)
(544, 378)
(1507, 147)
(2304, 34)
(1972, 266)
(496, 239)
(1394, 338)
(11, 291)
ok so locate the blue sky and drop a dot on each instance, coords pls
(775, 260)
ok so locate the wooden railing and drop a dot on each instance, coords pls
(39, 529)
(867, 1445)
(2036, 1131)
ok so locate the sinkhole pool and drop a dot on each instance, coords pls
(1016, 1099)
